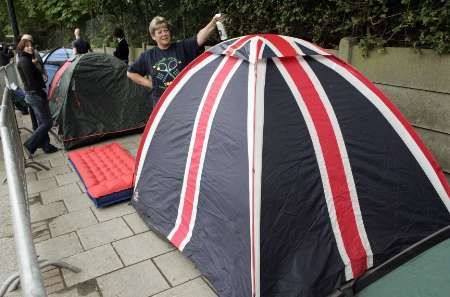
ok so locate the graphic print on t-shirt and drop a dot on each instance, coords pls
(166, 70)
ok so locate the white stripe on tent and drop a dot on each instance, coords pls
(163, 109)
(344, 157)
(251, 98)
(203, 152)
(255, 123)
(310, 46)
(395, 123)
(321, 165)
(258, 147)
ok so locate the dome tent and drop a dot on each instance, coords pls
(53, 60)
(91, 98)
(282, 171)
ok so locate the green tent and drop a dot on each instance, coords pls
(91, 99)
(419, 271)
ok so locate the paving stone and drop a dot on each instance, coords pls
(4, 190)
(77, 202)
(58, 161)
(28, 169)
(31, 177)
(7, 258)
(130, 146)
(69, 178)
(50, 281)
(51, 273)
(93, 263)
(193, 288)
(54, 288)
(5, 218)
(42, 238)
(16, 293)
(141, 247)
(49, 157)
(115, 211)
(136, 223)
(47, 211)
(37, 228)
(81, 186)
(72, 221)
(102, 233)
(53, 172)
(41, 186)
(58, 193)
(142, 279)
(176, 267)
(59, 247)
(86, 289)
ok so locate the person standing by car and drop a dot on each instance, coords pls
(36, 97)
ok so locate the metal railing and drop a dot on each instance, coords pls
(29, 266)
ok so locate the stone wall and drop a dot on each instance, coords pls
(418, 83)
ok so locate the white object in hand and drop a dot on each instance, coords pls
(221, 28)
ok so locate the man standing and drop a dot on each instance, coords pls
(165, 61)
(79, 45)
(122, 51)
(5, 55)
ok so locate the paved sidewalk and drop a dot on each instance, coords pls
(117, 253)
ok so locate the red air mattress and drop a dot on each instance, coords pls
(106, 171)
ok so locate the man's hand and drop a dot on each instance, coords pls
(139, 79)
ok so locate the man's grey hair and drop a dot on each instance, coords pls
(156, 23)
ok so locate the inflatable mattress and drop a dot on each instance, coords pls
(106, 172)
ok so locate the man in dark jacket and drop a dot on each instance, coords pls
(79, 45)
(36, 97)
(5, 55)
(122, 51)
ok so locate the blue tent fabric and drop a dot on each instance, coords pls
(53, 60)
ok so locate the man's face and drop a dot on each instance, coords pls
(162, 37)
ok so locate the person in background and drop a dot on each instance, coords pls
(122, 51)
(5, 55)
(79, 45)
(165, 61)
(37, 60)
(36, 97)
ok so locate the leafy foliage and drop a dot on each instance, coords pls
(375, 23)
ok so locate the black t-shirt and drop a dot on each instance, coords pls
(164, 65)
(81, 46)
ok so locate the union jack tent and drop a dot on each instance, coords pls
(282, 171)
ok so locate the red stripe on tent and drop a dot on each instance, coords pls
(160, 102)
(401, 119)
(334, 166)
(199, 143)
(281, 44)
(57, 77)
